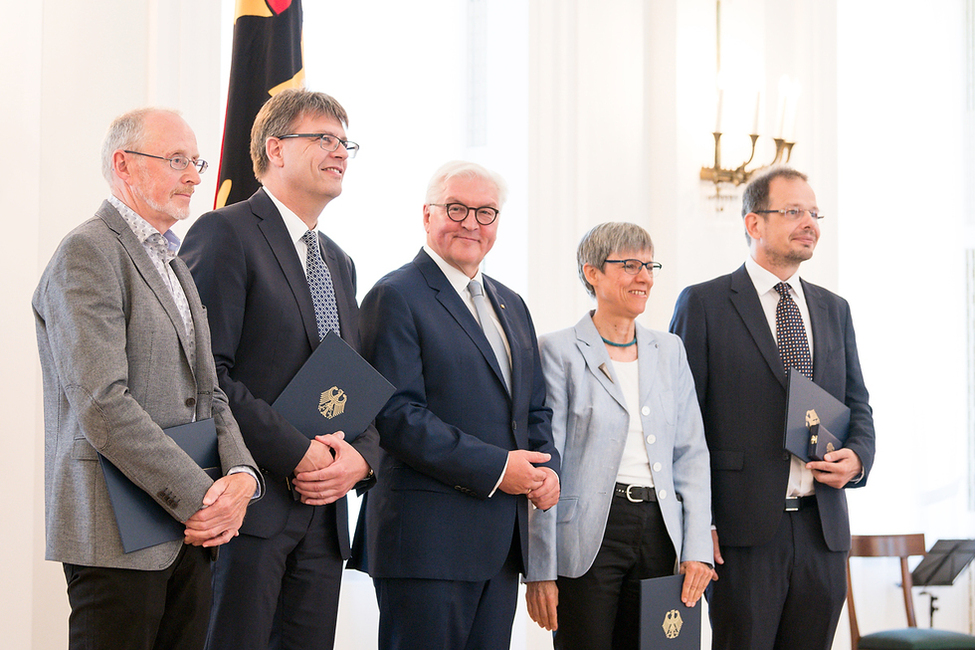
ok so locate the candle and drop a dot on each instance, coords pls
(784, 85)
(717, 120)
(793, 111)
(758, 109)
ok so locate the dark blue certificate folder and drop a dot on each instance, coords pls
(665, 622)
(804, 396)
(336, 390)
(141, 521)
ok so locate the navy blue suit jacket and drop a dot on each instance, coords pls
(448, 428)
(262, 320)
(741, 386)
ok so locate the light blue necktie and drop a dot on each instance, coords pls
(490, 331)
(320, 284)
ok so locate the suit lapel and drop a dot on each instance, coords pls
(818, 316)
(597, 359)
(276, 233)
(140, 259)
(746, 302)
(512, 332)
(447, 296)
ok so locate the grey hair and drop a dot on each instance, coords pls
(468, 170)
(280, 113)
(605, 239)
(756, 192)
(126, 132)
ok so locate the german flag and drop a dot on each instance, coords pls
(266, 60)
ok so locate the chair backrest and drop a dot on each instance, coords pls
(900, 546)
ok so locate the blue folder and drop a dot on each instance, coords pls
(141, 521)
(335, 390)
(665, 622)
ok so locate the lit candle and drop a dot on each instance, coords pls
(784, 86)
(717, 120)
(758, 109)
(793, 111)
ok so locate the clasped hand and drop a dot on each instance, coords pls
(330, 468)
(541, 484)
(224, 505)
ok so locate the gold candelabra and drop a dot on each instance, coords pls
(718, 174)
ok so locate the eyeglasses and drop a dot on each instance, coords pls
(179, 163)
(633, 267)
(326, 141)
(792, 214)
(484, 215)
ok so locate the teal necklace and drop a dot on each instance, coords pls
(620, 345)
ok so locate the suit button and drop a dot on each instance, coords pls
(190, 401)
(645, 410)
(661, 494)
(657, 467)
(651, 439)
(514, 425)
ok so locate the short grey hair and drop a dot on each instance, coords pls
(468, 170)
(127, 131)
(608, 238)
(756, 193)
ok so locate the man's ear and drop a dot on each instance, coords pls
(754, 226)
(274, 151)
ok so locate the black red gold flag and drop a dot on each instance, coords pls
(266, 60)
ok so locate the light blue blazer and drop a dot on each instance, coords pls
(590, 422)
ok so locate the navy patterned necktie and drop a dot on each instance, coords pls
(790, 333)
(320, 284)
(490, 331)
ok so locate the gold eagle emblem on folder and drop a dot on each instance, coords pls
(332, 402)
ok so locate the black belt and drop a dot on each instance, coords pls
(635, 493)
(793, 504)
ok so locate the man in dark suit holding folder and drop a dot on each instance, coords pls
(125, 353)
(467, 434)
(781, 528)
(274, 285)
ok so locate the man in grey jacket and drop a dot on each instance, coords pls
(125, 352)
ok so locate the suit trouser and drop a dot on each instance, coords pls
(281, 592)
(785, 595)
(600, 610)
(125, 609)
(420, 614)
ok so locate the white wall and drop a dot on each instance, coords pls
(595, 111)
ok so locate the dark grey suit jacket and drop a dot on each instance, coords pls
(262, 320)
(116, 372)
(741, 386)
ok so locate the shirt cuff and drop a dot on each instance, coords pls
(244, 469)
(500, 478)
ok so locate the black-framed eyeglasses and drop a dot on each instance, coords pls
(633, 267)
(792, 214)
(485, 215)
(326, 141)
(179, 163)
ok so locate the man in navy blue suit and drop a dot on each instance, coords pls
(277, 584)
(781, 528)
(467, 435)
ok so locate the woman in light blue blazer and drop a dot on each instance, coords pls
(635, 479)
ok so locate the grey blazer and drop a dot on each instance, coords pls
(590, 421)
(113, 354)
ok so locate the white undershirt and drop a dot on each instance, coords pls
(634, 465)
(801, 482)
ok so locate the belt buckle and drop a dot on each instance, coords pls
(630, 498)
(792, 504)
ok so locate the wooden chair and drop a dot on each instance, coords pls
(910, 638)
